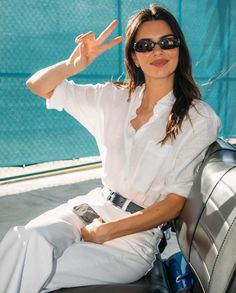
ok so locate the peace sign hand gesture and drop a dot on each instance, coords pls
(89, 48)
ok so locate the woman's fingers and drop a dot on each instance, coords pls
(78, 38)
(88, 48)
(79, 52)
(110, 44)
(82, 37)
(106, 33)
(103, 36)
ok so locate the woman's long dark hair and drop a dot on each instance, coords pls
(185, 89)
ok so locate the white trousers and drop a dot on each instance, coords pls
(48, 252)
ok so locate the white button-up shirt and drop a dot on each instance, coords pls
(134, 163)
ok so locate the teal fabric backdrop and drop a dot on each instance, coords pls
(38, 33)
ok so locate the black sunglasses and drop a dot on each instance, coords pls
(147, 45)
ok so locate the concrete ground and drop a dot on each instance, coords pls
(19, 208)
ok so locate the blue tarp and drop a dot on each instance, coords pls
(37, 33)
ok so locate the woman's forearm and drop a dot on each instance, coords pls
(146, 219)
(88, 48)
(44, 81)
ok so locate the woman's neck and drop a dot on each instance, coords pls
(155, 90)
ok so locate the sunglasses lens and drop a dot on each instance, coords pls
(144, 46)
(147, 45)
(168, 43)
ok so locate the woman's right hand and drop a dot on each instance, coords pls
(44, 81)
(89, 48)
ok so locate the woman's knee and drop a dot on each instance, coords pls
(59, 234)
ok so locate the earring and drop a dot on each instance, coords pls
(137, 65)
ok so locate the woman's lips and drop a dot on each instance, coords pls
(159, 63)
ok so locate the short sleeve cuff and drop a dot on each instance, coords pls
(56, 101)
(182, 190)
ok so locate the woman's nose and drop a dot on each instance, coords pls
(157, 49)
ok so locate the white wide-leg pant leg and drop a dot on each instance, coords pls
(48, 254)
(84, 264)
(28, 254)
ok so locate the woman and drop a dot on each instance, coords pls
(152, 132)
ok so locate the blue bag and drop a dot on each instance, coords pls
(179, 273)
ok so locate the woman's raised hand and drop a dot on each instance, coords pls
(44, 81)
(88, 47)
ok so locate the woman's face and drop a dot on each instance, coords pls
(159, 63)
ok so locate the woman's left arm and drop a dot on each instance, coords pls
(150, 217)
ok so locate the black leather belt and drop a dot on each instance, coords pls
(119, 201)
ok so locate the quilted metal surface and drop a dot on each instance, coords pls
(206, 229)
